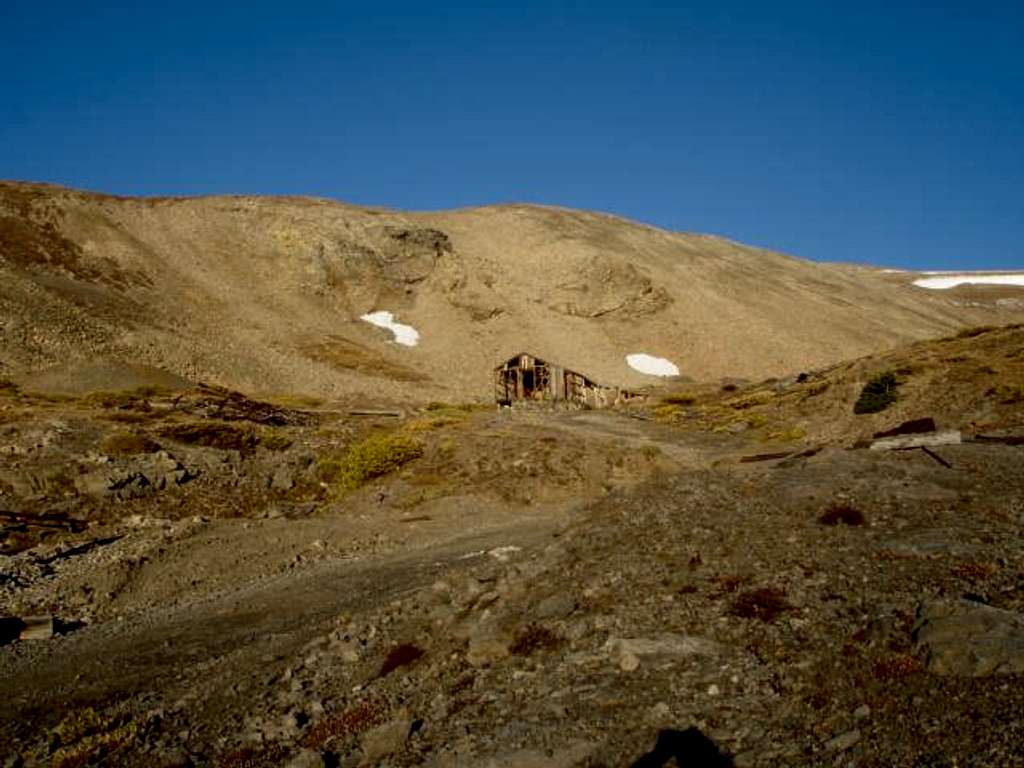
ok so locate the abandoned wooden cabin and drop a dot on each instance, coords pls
(528, 379)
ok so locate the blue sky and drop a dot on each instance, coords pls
(889, 133)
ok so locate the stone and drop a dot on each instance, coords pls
(624, 650)
(842, 742)
(628, 661)
(968, 639)
(282, 479)
(386, 739)
(555, 607)
(307, 758)
(569, 756)
(488, 644)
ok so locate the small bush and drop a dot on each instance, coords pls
(376, 456)
(533, 638)
(1007, 394)
(758, 398)
(755, 420)
(816, 388)
(878, 394)
(679, 398)
(970, 333)
(842, 513)
(86, 737)
(897, 667)
(128, 398)
(400, 656)
(974, 571)
(788, 435)
(263, 756)
(667, 413)
(273, 441)
(212, 435)
(128, 444)
(351, 722)
(764, 603)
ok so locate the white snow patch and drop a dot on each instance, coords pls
(405, 335)
(949, 280)
(652, 366)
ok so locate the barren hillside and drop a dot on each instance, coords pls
(265, 295)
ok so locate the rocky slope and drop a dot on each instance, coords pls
(265, 295)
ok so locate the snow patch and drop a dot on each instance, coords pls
(952, 280)
(405, 335)
(652, 366)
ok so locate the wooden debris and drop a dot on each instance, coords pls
(1001, 439)
(365, 412)
(38, 521)
(37, 628)
(912, 427)
(765, 457)
(81, 549)
(787, 455)
(936, 456)
(947, 437)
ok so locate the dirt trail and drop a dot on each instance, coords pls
(210, 645)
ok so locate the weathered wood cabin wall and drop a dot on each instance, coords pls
(525, 378)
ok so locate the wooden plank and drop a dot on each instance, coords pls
(947, 437)
(1000, 439)
(936, 456)
(38, 521)
(765, 457)
(37, 628)
(912, 427)
(364, 412)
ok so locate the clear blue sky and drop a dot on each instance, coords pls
(891, 133)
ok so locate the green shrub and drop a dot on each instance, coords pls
(878, 394)
(373, 457)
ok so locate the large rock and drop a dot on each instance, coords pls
(377, 743)
(572, 755)
(969, 639)
(628, 651)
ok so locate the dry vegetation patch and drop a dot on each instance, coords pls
(844, 514)
(763, 603)
(128, 444)
(210, 434)
(375, 456)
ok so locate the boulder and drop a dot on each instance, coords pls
(964, 638)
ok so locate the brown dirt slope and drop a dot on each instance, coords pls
(265, 294)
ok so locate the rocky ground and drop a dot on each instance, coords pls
(532, 589)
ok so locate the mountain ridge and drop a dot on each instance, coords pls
(264, 294)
